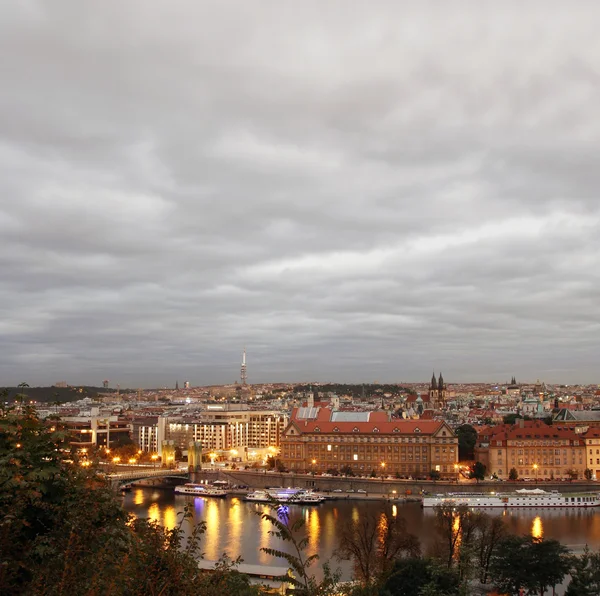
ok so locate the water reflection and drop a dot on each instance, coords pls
(537, 530)
(170, 517)
(154, 512)
(313, 527)
(234, 527)
(213, 523)
(265, 538)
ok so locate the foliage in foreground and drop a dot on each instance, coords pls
(64, 532)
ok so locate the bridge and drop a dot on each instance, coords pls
(131, 475)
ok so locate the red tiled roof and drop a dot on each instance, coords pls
(404, 426)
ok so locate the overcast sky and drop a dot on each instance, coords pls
(355, 195)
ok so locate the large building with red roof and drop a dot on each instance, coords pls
(319, 438)
(534, 449)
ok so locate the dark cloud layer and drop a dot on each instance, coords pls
(354, 193)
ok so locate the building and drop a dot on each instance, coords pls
(580, 420)
(534, 449)
(437, 392)
(319, 438)
(219, 430)
(97, 431)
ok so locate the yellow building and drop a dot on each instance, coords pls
(534, 449)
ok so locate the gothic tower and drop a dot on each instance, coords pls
(441, 390)
(433, 392)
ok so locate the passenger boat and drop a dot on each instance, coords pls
(200, 490)
(297, 496)
(520, 498)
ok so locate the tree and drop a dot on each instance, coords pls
(551, 561)
(374, 542)
(513, 474)
(467, 437)
(477, 471)
(572, 474)
(585, 575)
(450, 519)
(492, 531)
(346, 471)
(508, 568)
(419, 576)
(434, 475)
(530, 563)
(588, 474)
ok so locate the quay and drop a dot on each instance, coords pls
(376, 488)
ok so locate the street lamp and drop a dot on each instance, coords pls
(382, 470)
(314, 461)
(154, 457)
(456, 472)
(535, 468)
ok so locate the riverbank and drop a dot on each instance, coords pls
(377, 488)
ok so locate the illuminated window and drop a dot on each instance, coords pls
(355, 457)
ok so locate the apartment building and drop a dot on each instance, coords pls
(218, 430)
(319, 438)
(534, 449)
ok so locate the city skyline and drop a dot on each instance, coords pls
(354, 195)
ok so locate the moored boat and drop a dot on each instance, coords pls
(520, 498)
(200, 490)
(289, 496)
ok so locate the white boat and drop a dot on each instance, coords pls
(200, 490)
(521, 498)
(297, 496)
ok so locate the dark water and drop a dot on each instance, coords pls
(234, 527)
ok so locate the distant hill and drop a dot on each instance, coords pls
(54, 394)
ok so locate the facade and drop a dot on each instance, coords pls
(97, 431)
(320, 438)
(537, 451)
(218, 430)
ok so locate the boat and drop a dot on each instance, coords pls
(200, 490)
(297, 496)
(521, 498)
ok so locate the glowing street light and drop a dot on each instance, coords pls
(116, 459)
(535, 469)
(456, 472)
(132, 460)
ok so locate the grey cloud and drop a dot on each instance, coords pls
(352, 193)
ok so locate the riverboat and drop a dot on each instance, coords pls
(520, 498)
(286, 495)
(200, 490)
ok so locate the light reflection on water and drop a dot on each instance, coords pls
(233, 525)
(537, 530)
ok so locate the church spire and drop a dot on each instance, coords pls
(433, 381)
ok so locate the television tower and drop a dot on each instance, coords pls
(243, 375)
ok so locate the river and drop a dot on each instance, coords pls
(233, 526)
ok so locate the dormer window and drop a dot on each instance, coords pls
(375, 430)
(396, 430)
(317, 429)
(355, 429)
(417, 430)
(336, 430)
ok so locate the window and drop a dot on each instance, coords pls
(328, 447)
(355, 457)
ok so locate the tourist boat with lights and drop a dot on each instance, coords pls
(200, 490)
(521, 498)
(289, 496)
